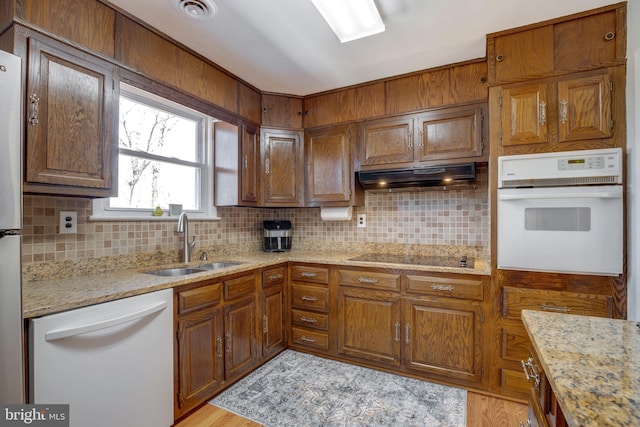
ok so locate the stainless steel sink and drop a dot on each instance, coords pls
(179, 271)
(219, 264)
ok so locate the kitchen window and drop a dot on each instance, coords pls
(164, 157)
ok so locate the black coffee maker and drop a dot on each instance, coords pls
(277, 236)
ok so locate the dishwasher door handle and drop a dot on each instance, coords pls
(103, 324)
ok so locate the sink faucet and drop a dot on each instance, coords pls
(183, 227)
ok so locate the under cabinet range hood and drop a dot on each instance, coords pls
(446, 177)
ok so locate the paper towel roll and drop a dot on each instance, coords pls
(336, 214)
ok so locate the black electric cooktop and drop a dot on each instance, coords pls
(433, 261)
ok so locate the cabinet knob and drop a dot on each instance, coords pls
(483, 79)
(499, 58)
(609, 36)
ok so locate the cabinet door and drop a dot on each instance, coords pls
(240, 338)
(328, 159)
(369, 325)
(584, 108)
(444, 338)
(250, 155)
(72, 110)
(200, 358)
(521, 55)
(273, 339)
(282, 162)
(386, 141)
(524, 115)
(281, 111)
(450, 134)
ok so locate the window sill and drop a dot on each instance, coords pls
(151, 218)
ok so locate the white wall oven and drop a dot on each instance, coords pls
(561, 212)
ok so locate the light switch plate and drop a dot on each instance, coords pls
(68, 222)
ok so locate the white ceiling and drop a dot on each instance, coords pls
(284, 46)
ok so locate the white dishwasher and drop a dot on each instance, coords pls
(111, 362)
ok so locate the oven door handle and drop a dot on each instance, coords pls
(594, 195)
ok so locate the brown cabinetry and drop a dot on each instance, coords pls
(330, 177)
(344, 105)
(72, 118)
(576, 107)
(310, 307)
(544, 410)
(551, 47)
(454, 134)
(282, 168)
(513, 340)
(237, 154)
(432, 325)
(273, 303)
(280, 111)
(216, 339)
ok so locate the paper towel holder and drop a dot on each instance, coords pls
(341, 213)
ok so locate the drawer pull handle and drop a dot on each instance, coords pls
(441, 287)
(555, 308)
(308, 298)
(276, 277)
(308, 339)
(308, 320)
(308, 274)
(397, 332)
(407, 335)
(368, 280)
(219, 347)
(531, 371)
(228, 342)
(34, 109)
(563, 111)
(543, 113)
(265, 324)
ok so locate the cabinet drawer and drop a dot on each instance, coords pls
(310, 274)
(310, 297)
(515, 342)
(445, 286)
(309, 338)
(514, 300)
(239, 287)
(272, 276)
(195, 299)
(311, 320)
(369, 279)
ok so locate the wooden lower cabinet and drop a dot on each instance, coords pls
(273, 303)
(240, 341)
(369, 325)
(200, 366)
(444, 338)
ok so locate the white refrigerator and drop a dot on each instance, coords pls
(11, 325)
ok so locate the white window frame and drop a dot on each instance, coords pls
(101, 207)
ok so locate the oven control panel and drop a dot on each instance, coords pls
(587, 162)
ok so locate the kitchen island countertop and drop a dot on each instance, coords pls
(43, 297)
(592, 364)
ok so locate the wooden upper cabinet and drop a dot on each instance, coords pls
(584, 108)
(524, 54)
(86, 22)
(587, 40)
(599, 37)
(524, 114)
(330, 177)
(72, 118)
(345, 105)
(450, 134)
(250, 152)
(282, 168)
(281, 111)
(249, 103)
(386, 141)
(459, 84)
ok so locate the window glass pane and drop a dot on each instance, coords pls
(156, 131)
(145, 184)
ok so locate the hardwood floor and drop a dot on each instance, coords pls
(482, 411)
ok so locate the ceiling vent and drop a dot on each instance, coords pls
(197, 9)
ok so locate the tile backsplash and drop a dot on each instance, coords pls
(458, 218)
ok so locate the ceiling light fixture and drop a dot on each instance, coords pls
(352, 19)
(197, 9)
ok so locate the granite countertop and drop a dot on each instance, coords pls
(592, 364)
(42, 297)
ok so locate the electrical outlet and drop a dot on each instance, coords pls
(362, 220)
(68, 222)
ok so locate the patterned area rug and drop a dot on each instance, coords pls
(297, 389)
